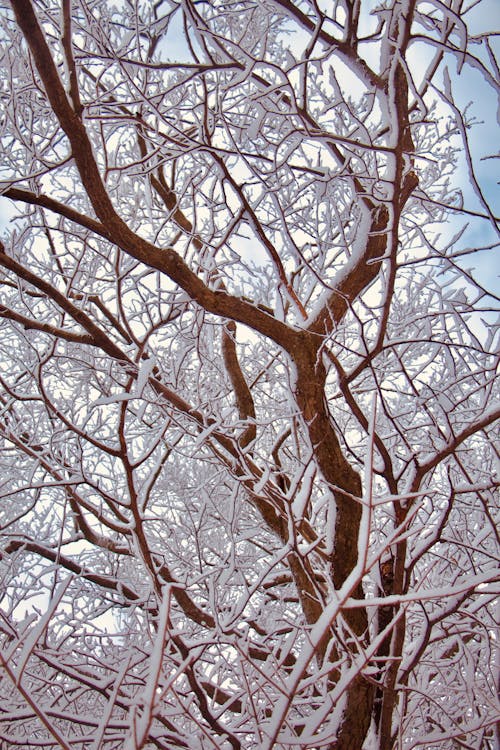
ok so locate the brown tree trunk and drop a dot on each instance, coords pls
(345, 484)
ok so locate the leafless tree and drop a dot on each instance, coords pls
(247, 376)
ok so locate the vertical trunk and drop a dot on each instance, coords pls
(389, 696)
(345, 484)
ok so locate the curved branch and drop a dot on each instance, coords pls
(489, 417)
(163, 259)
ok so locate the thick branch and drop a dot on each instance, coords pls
(244, 399)
(163, 259)
(29, 324)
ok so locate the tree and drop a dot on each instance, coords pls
(248, 394)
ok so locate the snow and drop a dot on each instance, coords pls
(143, 716)
(303, 496)
(36, 632)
